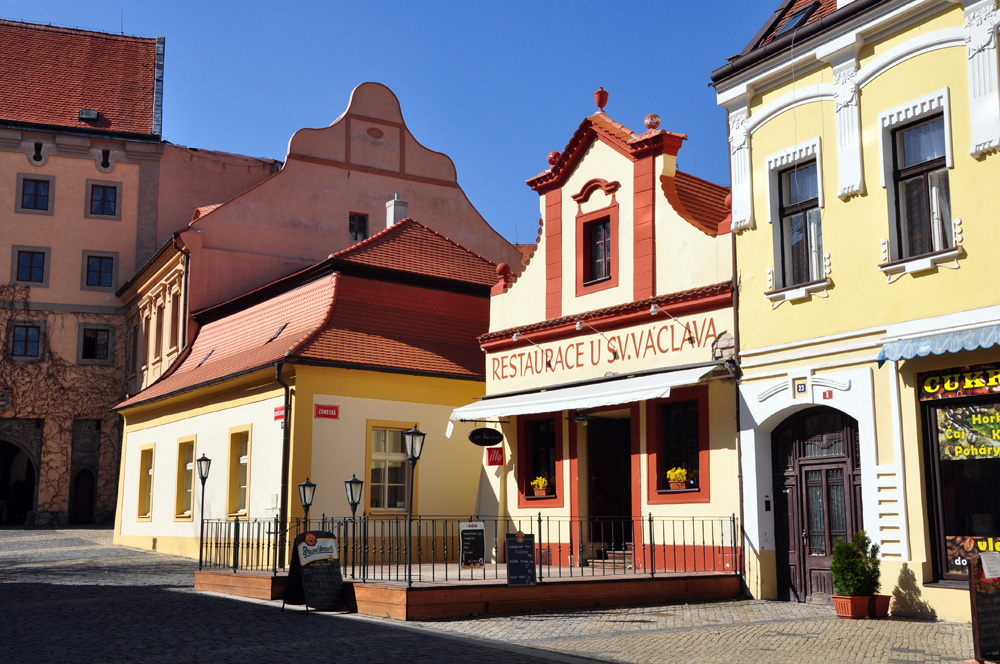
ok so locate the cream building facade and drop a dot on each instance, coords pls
(606, 360)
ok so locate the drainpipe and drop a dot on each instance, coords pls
(739, 439)
(184, 289)
(286, 437)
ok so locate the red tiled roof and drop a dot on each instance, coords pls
(340, 319)
(409, 246)
(526, 251)
(404, 328)
(700, 202)
(47, 74)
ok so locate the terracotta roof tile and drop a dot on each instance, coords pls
(409, 246)
(340, 319)
(243, 341)
(700, 202)
(47, 74)
(403, 328)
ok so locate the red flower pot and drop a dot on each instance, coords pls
(878, 607)
(851, 607)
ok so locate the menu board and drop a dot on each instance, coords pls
(314, 577)
(520, 559)
(472, 537)
(984, 592)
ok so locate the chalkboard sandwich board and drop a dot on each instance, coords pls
(314, 577)
(520, 559)
(472, 535)
(984, 593)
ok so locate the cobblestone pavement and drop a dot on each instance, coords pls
(70, 595)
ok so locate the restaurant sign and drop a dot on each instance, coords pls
(660, 343)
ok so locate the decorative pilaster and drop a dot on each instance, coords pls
(739, 164)
(850, 171)
(981, 21)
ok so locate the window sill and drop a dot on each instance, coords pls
(593, 282)
(183, 517)
(669, 492)
(797, 292)
(144, 517)
(950, 584)
(921, 263)
(551, 496)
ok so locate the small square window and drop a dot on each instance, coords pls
(100, 271)
(31, 266)
(34, 194)
(796, 19)
(357, 226)
(96, 344)
(103, 200)
(26, 341)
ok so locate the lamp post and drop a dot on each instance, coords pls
(306, 492)
(413, 442)
(353, 486)
(204, 464)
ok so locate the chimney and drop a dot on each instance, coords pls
(395, 211)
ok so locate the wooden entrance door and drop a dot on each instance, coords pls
(817, 488)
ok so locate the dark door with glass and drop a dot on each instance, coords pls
(609, 457)
(817, 488)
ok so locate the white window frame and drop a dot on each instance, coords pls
(914, 110)
(777, 163)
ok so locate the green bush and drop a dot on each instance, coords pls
(855, 567)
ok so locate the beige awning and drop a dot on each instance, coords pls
(581, 397)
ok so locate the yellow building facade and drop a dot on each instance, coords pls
(861, 146)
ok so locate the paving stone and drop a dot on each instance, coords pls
(70, 595)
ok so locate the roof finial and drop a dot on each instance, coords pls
(601, 99)
(652, 121)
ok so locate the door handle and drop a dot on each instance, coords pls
(805, 535)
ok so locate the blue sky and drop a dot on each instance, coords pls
(495, 86)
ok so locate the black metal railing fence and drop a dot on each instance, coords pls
(375, 548)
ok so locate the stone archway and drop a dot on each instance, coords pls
(18, 482)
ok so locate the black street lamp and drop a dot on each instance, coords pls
(306, 492)
(204, 464)
(353, 487)
(413, 442)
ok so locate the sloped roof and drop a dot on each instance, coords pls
(341, 320)
(600, 127)
(410, 247)
(700, 202)
(48, 74)
(776, 37)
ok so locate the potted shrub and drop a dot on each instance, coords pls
(850, 567)
(541, 486)
(878, 606)
(677, 478)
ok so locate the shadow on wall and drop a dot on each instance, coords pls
(906, 597)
